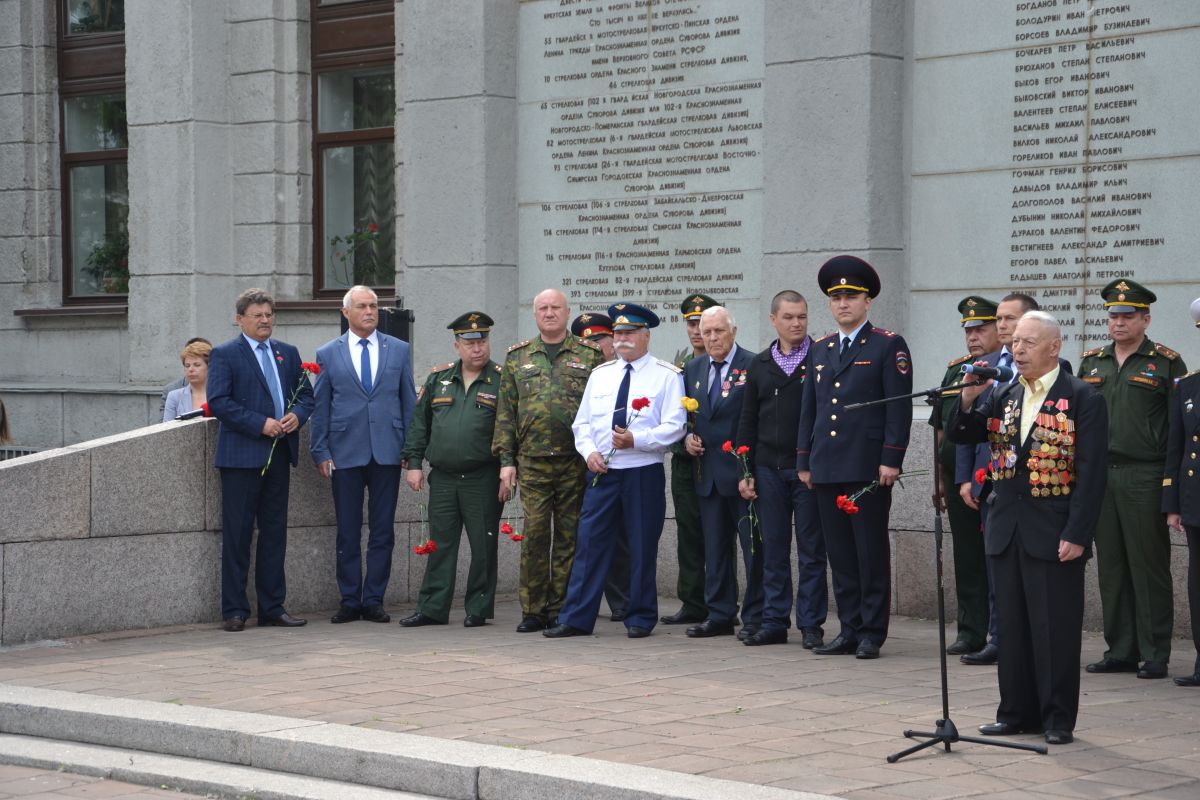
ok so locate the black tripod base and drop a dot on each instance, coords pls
(946, 734)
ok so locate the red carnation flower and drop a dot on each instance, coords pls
(506, 529)
(842, 501)
(639, 403)
(850, 508)
(727, 447)
(741, 451)
(311, 366)
(980, 475)
(430, 547)
(516, 537)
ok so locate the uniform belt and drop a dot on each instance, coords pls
(470, 472)
(1120, 463)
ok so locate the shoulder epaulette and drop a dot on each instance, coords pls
(1095, 351)
(666, 364)
(883, 331)
(441, 367)
(1166, 352)
(519, 345)
(589, 343)
(606, 364)
(958, 361)
(497, 367)
(823, 338)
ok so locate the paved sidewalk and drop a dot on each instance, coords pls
(774, 715)
(28, 783)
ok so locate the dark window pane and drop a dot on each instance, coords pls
(95, 16)
(99, 208)
(95, 122)
(359, 210)
(356, 99)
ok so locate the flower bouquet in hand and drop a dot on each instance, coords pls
(306, 368)
(637, 405)
(848, 503)
(511, 532)
(742, 454)
(429, 546)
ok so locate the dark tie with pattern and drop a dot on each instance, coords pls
(622, 399)
(714, 388)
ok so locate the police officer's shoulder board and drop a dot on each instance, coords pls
(823, 338)
(883, 331)
(1166, 352)
(955, 362)
(666, 364)
(1095, 351)
(519, 345)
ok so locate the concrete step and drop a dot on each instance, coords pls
(396, 762)
(207, 778)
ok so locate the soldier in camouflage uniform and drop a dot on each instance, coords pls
(689, 538)
(541, 385)
(1133, 547)
(452, 427)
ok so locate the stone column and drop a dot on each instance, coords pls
(834, 147)
(458, 135)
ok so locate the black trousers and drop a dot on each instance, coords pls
(860, 559)
(1040, 616)
(1193, 587)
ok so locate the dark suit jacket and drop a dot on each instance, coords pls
(238, 396)
(719, 471)
(1181, 478)
(352, 427)
(1037, 524)
(849, 446)
(771, 412)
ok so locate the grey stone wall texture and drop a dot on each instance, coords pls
(898, 130)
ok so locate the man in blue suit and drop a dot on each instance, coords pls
(260, 393)
(364, 404)
(717, 382)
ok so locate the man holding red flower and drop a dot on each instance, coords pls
(631, 411)
(250, 380)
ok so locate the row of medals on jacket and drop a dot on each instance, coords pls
(1051, 454)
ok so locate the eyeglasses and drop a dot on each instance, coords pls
(260, 317)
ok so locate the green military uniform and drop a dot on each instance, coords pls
(452, 429)
(539, 397)
(1133, 546)
(966, 524)
(689, 538)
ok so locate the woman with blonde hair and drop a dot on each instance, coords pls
(195, 370)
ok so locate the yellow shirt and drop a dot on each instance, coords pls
(1035, 392)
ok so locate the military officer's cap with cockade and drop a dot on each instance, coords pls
(1124, 296)
(696, 304)
(591, 326)
(472, 325)
(976, 311)
(848, 274)
(631, 316)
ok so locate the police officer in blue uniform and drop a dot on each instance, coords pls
(839, 453)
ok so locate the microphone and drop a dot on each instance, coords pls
(1000, 373)
(199, 412)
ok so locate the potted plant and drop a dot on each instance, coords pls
(108, 263)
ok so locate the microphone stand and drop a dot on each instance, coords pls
(945, 732)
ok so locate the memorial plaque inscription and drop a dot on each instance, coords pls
(640, 161)
(1056, 155)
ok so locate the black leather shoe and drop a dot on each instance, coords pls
(1153, 670)
(236, 624)
(841, 646)
(961, 647)
(681, 617)
(472, 621)
(766, 636)
(988, 655)
(417, 620)
(747, 631)
(867, 650)
(531, 624)
(1000, 729)
(345, 614)
(709, 628)
(376, 614)
(813, 638)
(617, 616)
(1112, 665)
(634, 632)
(1059, 737)
(562, 631)
(284, 620)
(1183, 680)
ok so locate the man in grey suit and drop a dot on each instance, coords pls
(717, 382)
(364, 403)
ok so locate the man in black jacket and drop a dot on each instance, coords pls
(1048, 467)
(786, 507)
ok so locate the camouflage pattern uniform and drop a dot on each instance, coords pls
(538, 402)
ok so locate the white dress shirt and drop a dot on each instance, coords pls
(352, 342)
(654, 428)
